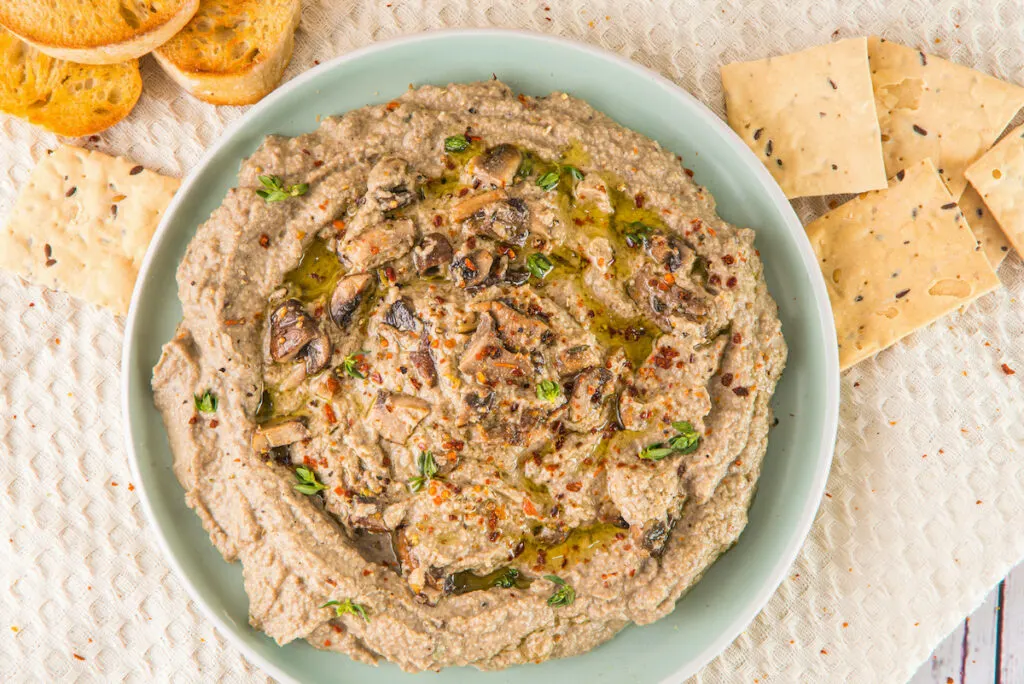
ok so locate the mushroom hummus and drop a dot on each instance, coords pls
(468, 378)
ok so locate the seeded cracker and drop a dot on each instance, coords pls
(810, 117)
(999, 178)
(994, 244)
(82, 224)
(895, 260)
(931, 108)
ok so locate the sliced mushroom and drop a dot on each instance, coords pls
(432, 255)
(395, 416)
(574, 359)
(518, 331)
(473, 269)
(318, 353)
(476, 405)
(401, 317)
(391, 184)
(348, 294)
(291, 329)
(497, 165)
(374, 246)
(474, 203)
(655, 536)
(487, 359)
(423, 362)
(516, 276)
(505, 220)
(669, 251)
(270, 437)
(662, 300)
(587, 402)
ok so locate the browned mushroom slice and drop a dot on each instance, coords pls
(574, 359)
(669, 251)
(497, 165)
(348, 294)
(318, 353)
(505, 220)
(432, 255)
(395, 416)
(473, 269)
(587, 402)
(400, 316)
(485, 356)
(464, 209)
(291, 329)
(374, 246)
(518, 331)
(423, 361)
(270, 437)
(661, 299)
(391, 184)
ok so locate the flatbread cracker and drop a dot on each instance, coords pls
(929, 108)
(895, 260)
(991, 237)
(999, 178)
(82, 224)
(810, 117)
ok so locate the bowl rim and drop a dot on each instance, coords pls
(823, 312)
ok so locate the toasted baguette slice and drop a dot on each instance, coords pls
(233, 52)
(68, 99)
(97, 31)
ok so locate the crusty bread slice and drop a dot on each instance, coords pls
(97, 31)
(233, 52)
(68, 99)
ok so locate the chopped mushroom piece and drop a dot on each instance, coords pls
(518, 331)
(486, 356)
(318, 353)
(269, 437)
(291, 329)
(374, 246)
(497, 166)
(401, 317)
(587, 402)
(474, 203)
(661, 299)
(348, 294)
(395, 416)
(424, 363)
(504, 220)
(391, 184)
(669, 251)
(432, 255)
(575, 359)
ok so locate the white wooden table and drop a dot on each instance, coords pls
(988, 647)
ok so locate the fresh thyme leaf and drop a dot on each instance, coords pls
(428, 470)
(348, 606)
(307, 482)
(688, 439)
(539, 265)
(655, 452)
(637, 234)
(525, 166)
(350, 364)
(548, 390)
(574, 172)
(206, 402)
(275, 191)
(549, 181)
(456, 143)
(564, 595)
(508, 579)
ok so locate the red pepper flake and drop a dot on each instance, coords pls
(113, 484)
(329, 414)
(194, 419)
(327, 643)
(639, 199)
(727, 379)
(214, 423)
(574, 486)
(728, 260)
(1008, 370)
(688, 172)
(131, 487)
(234, 321)
(391, 106)
(317, 163)
(438, 220)
(136, 170)
(264, 241)
(331, 582)
(737, 338)
(389, 272)
(740, 391)
(77, 657)
(731, 282)
(338, 225)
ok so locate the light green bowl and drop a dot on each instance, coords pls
(806, 403)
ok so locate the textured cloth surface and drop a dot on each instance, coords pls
(926, 494)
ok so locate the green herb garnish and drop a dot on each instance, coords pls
(548, 390)
(539, 265)
(637, 234)
(525, 166)
(308, 483)
(548, 181)
(275, 191)
(456, 143)
(573, 171)
(206, 402)
(564, 595)
(348, 606)
(685, 441)
(428, 469)
(350, 364)
(507, 579)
